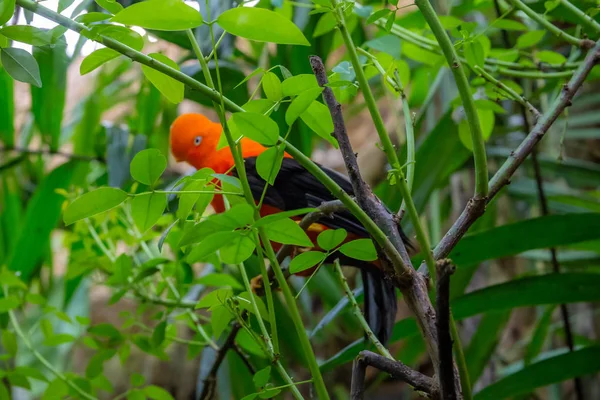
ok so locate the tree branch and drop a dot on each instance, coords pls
(446, 377)
(396, 369)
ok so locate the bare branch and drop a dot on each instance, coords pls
(446, 377)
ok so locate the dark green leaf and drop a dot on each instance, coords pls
(92, 203)
(261, 377)
(539, 335)
(237, 250)
(509, 25)
(27, 34)
(21, 66)
(286, 214)
(216, 279)
(146, 209)
(159, 334)
(268, 164)
(286, 231)
(383, 13)
(9, 342)
(261, 25)
(147, 166)
(214, 298)
(161, 15)
(7, 9)
(96, 59)
(219, 319)
(326, 24)
(529, 39)
(543, 373)
(360, 249)
(306, 260)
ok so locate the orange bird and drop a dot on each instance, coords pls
(194, 139)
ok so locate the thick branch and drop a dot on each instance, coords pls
(476, 207)
(446, 377)
(396, 369)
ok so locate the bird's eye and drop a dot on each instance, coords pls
(197, 140)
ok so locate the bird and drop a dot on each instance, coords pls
(194, 139)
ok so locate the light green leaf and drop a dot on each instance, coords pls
(474, 53)
(64, 4)
(261, 25)
(301, 103)
(272, 86)
(219, 320)
(96, 59)
(360, 249)
(172, 89)
(92, 17)
(147, 166)
(325, 24)
(261, 378)
(486, 119)
(27, 34)
(92, 203)
(257, 127)
(383, 13)
(215, 298)
(9, 303)
(331, 238)
(157, 393)
(529, 39)
(9, 342)
(286, 214)
(122, 34)
(217, 279)
(146, 209)
(552, 370)
(110, 5)
(287, 231)
(297, 84)
(21, 66)
(318, 119)
(550, 57)
(237, 250)
(306, 260)
(7, 9)
(268, 164)
(161, 15)
(210, 245)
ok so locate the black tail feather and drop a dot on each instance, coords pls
(380, 303)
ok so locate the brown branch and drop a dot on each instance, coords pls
(396, 369)
(446, 377)
(476, 207)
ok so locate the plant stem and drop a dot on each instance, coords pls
(269, 295)
(583, 43)
(358, 313)
(45, 363)
(585, 19)
(481, 171)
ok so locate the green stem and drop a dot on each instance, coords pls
(585, 19)
(358, 313)
(41, 359)
(411, 159)
(549, 26)
(481, 171)
(320, 388)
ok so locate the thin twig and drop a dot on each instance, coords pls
(446, 377)
(358, 313)
(398, 370)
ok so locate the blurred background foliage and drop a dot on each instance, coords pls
(77, 132)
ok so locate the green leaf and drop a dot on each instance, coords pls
(214, 298)
(64, 4)
(9, 303)
(187, 201)
(7, 9)
(297, 84)
(237, 250)
(112, 6)
(147, 166)
(301, 103)
(216, 279)
(529, 39)
(157, 393)
(306, 260)
(146, 209)
(360, 249)
(92, 203)
(261, 377)
(9, 342)
(509, 25)
(261, 25)
(318, 119)
(287, 231)
(21, 66)
(92, 17)
(550, 57)
(268, 164)
(172, 89)
(383, 13)
(539, 335)
(474, 53)
(257, 127)
(159, 334)
(27, 34)
(552, 370)
(122, 34)
(96, 59)
(160, 15)
(219, 320)
(487, 120)
(210, 245)
(280, 215)
(272, 86)
(331, 238)
(325, 24)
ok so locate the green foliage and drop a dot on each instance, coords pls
(162, 15)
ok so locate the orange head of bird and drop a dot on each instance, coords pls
(194, 139)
